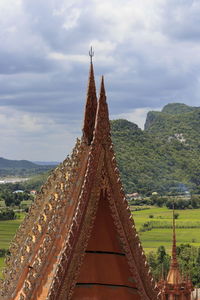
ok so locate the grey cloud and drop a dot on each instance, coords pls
(11, 63)
(181, 19)
(51, 26)
(145, 66)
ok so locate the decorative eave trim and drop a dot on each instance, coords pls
(74, 249)
(123, 218)
(38, 227)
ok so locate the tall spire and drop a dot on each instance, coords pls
(102, 124)
(102, 90)
(174, 276)
(175, 287)
(91, 104)
(174, 258)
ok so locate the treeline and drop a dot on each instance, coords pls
(149, 225)
(179, 202)
(9, 195)
(188, 259)
(7, 214)
(23, 172)
(14, 199)
(4, 252)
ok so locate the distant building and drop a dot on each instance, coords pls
(154, 194)
(33, 192)
(18, 191)
(133, 195)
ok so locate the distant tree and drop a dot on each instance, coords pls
(7, 214)
(161, 253)
(188, 258)
(176, 215)
(159, 262)
(9, 198)
(195, 201)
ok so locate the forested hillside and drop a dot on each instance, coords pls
(21, 168)
(165, 156)
(8, 163)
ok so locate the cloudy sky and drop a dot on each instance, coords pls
(149, 52)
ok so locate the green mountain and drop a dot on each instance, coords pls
(8, 163)
(20, 167)
(165, 156)
(178, 108)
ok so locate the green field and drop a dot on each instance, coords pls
(162, 217)
(151, 240)
(7, 232)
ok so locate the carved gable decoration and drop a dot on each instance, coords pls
(79, 240)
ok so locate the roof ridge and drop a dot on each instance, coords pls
(102, 123)
(90, 108)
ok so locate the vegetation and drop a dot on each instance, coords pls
(188, 259)
(7, 214)
(178, 202)
(21, 168)
(22, 164)
(165, 156)
(7, 190)
(157, 231)
(7, 232)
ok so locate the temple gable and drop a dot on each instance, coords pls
(79, 240)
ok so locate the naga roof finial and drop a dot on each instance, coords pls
(91, 54)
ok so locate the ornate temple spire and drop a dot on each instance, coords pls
(174, 276)
(102, 125)
(174, 258)
(91, 104)
(175, 287)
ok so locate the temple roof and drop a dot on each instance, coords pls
(78, 240)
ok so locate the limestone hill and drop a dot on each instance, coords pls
(165, 156)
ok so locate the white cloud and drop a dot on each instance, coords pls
(149, 52)
(68, 58)
(72, 19)
(137, 116)
(27, 136)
